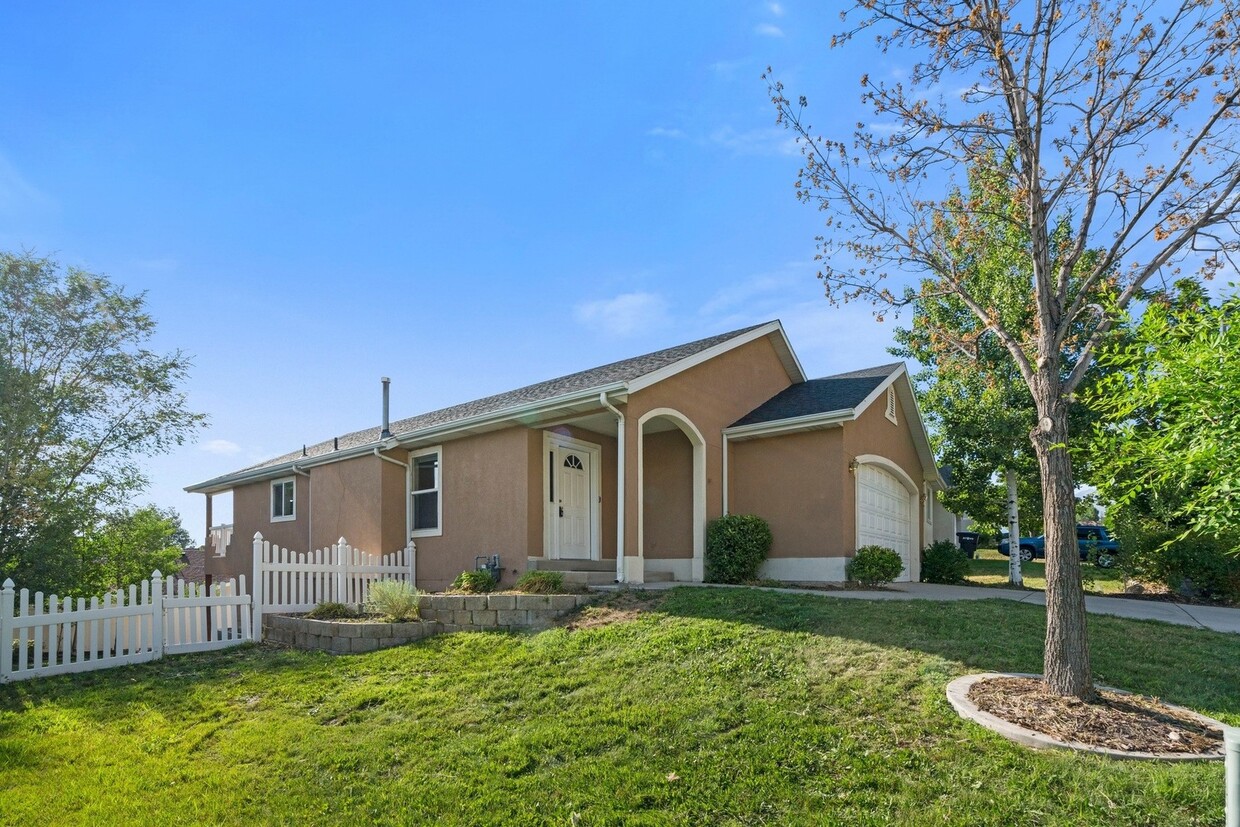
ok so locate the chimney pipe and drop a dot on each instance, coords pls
(387, 433)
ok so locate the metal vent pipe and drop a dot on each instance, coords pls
(387, 433)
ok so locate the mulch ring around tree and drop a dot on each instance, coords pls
(1117, 723)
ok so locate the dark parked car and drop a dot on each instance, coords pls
(1094, 541)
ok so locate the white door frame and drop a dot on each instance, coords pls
(912, 572)
(551, 534)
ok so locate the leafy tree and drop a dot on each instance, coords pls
(128, 546)
(1172, 407)
(1118, 125)
(82, 399)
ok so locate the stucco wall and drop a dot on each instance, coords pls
(712, 396)
(485, 489)
(668, 481)
(348, 502)
(799, 483)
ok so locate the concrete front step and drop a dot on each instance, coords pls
(589, 578)
(575, 565)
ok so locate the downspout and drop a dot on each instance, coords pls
(620, 462)
(309, 508)
(408, 505)
(725, 474)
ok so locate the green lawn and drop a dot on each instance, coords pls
(767, 708)
(990, 568)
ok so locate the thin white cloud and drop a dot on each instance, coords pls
(664, 132)
(220, 447)
(755, 292)
(624, 315)
(776, 9)
(768, 141)
(728, 68)
(768, 30)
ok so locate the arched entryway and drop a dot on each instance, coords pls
(671, 503)
(887, 511)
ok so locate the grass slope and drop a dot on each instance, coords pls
(767, 708)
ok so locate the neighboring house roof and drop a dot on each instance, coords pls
(627, 375)
(842, 392)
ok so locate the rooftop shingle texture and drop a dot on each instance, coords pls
(626, 370)
(843, 391)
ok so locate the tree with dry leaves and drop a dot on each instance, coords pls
(1116, 120)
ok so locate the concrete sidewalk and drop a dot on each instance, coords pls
(1218, 618)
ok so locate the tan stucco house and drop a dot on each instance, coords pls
(616, 471)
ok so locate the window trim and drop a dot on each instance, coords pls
(271, 489)
(414, 456)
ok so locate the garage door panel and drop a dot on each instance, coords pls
(884, 516)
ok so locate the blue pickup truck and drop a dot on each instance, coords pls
(1094, 541)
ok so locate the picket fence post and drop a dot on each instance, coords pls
(412, 551)
(157, 614)
(342, 564)
(256, 624)
(6, 630)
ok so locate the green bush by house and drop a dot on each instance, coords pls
(942, 562)
(541, 582)
(736, 545)
(474, 582)
(874, 566)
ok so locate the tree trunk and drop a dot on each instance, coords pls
(1067, 669)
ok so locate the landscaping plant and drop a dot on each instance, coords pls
(736, 545)
(331, 611)
(394, 599)
(942, 562)
(541, 582)
(474, 582)
(874, 566)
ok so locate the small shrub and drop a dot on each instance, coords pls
(331, 611)
(942, 562)
(395, 599)
(474, 582)
(1193, 566)
(874, 566)
(736, 545)
(541, 582)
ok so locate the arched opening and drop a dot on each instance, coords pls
(888, 510)
(671, 506)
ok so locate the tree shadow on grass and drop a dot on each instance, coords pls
(1192, 667)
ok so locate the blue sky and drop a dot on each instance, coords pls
(463, 197)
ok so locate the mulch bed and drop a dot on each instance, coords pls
(1128, 723)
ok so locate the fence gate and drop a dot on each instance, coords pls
(56, 636)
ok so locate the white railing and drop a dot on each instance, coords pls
(56, 636)
(218, 539)
(290, 581)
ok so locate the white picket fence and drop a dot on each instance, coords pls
(159, 616)
(291, 581)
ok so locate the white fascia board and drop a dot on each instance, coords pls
(921, 437)
(881, 389)
(406, 439)
(723, 347)
(796, 423)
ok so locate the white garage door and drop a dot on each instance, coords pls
(883, 517)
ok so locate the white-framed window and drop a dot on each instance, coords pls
(284, 500)
(891, 405)
(426, 506)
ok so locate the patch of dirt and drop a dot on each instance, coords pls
(1129, 723)
(619, 607)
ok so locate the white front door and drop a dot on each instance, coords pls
(573, 510)
(883, 517)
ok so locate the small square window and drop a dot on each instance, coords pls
(284, 500)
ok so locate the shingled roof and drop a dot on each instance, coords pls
(626, 370)
(842, 392)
